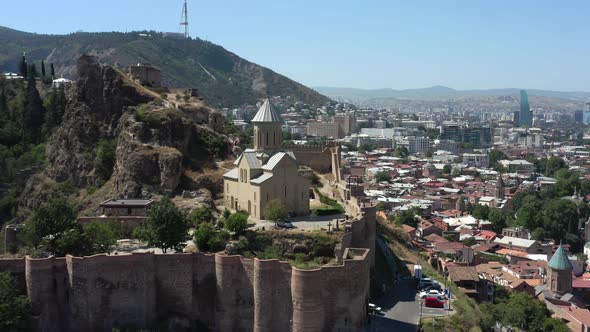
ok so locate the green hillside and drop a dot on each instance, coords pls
(223, 78)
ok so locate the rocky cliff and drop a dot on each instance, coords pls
(121, 136)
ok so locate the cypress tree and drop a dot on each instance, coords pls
(3, 101)
(22, 67)
(52, 70)
(34, 113)
(33, 72)
(42, 68)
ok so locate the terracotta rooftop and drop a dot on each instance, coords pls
(408, 228)
(463, 273)
(449, 246)
(435, 238)
(515, 253)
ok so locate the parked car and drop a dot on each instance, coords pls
(284, 224)
(434, 302)
(431, 293)
(426, 282)
(437, 287)
(373, 309)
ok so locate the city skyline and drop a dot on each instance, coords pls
(530, 45)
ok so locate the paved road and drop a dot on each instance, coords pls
(401, 310)
(304, 223)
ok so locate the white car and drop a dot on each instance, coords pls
(431, 293)
(374, 308)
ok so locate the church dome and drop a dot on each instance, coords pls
(559, 261)
(428, 166)
(266, 113)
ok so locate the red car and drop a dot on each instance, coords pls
(433, 302)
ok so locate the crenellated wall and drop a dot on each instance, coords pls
(178, 292)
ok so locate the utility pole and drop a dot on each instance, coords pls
(184, 19)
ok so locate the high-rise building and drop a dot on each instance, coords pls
(586, 114)
(516, 118)
(476, 137)
(526, 116)
(579, 116)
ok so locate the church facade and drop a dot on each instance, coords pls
(265, 172)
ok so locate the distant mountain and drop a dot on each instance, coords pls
(441, 93)
(222, 77)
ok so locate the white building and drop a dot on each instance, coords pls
(477, 160)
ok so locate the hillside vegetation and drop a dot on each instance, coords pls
(222, 77)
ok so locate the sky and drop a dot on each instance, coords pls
(368, 44)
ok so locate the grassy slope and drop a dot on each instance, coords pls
(180, 60)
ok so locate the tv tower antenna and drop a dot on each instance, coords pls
(184, 19)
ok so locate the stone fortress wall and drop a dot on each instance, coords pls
(316, 156)
(193, 291)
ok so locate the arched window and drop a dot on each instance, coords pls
(267, 138)
(285, 191)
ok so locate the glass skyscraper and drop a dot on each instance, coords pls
(525, 115)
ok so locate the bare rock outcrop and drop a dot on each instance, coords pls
(102, 94)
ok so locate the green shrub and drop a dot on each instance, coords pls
(201, 215)
(202, 235)
(274, 210)
(237, 222)
(272, 252)
(326, 211)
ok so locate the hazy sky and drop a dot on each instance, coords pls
(360, 43)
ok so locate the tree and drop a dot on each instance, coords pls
(203, 234)
(200, 215)
(559, 218)
(275, 210)
(33, 72)
(42, 68)
(469, 241)
(15, 309)
(382, 176)
(554, 164)
(401, 152)
(52, 70)
(554, 325)
(447, 169)
(237, 223)
(50, 222)
(102, 236)
(366, 147)
(381, 206)
(34, 114)
(495, 155)
(529, 213)
(23, 67)
(407, 217)
(498, 219)
(481, 211)
(3, 101)
(166, 226)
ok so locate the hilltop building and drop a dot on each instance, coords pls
(145, 74)
(265, 172)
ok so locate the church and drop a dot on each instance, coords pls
(266, 172)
